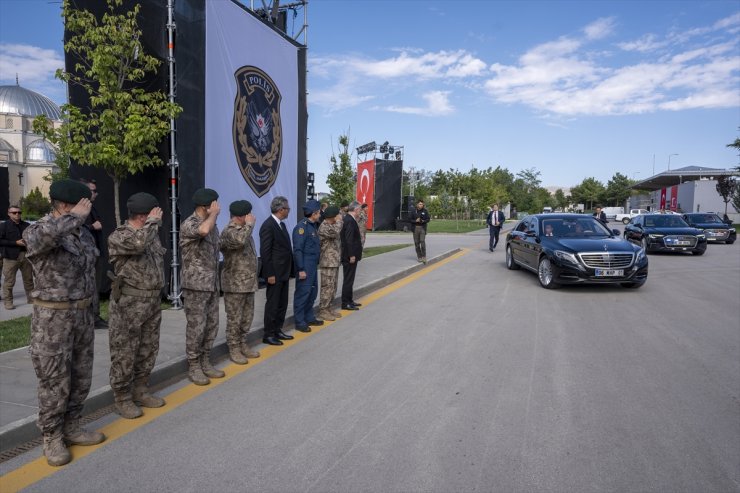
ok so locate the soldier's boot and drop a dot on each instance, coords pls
(249, 352)
(208, 369)
(8, 299)
(326, 315)
(196, 375)
(235, 355)
(336, 313)
(125, 407)
(56, 453)
(143, 398)
(74, 434)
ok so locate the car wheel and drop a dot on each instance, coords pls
(644, 244)
(632, 285)
(510, 264)
(545, 274)
(625, 220)
(698, 252)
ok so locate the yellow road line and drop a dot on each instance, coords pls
(38, 469)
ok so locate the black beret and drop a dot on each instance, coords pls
(69, 191)
(240, 208)
(141, 203)
(331, 211)
(344, 204)
(204, 196)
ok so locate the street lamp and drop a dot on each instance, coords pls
(669, 160)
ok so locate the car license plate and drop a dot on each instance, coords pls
(609, 272)
(683, 243)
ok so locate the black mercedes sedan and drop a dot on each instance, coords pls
(572, 249)
(665, 233)
(715, 229)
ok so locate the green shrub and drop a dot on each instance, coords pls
(35, 205)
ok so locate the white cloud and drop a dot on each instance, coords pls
(600, 28)
(646, 43)
(34, 67)
(438, 104)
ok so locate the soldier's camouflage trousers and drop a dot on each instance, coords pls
(134, 340)
(201, 312)
(239, 316)
(329, 279)
(62, 356)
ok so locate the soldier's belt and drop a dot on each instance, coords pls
(64, 305)
(140, 293)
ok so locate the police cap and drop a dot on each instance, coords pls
(141, 203)
(204, 196)
(240, 208)
(69, 191)
(331, 211)
(311, 206)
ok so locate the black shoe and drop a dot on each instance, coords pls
(101, 324)
(316, 323)
(302, 329)
(356, 304)
(349, 307)
(284, 337)
(272, 341)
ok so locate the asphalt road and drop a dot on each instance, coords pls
(471, 378)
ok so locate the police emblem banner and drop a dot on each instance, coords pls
(251, 111)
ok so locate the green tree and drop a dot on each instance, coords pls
(341, 178)
(589, 191)
(561, 201)
(726, 186)
(35, 205)
(125, 122)
(618, 189)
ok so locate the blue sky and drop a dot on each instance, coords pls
(573, 89)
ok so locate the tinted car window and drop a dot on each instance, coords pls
(522, 226)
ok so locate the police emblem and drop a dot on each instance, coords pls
(256, 129)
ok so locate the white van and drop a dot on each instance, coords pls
(546, 210)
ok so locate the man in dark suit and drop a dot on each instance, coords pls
(351, 254)
(276, 253)
(600, 215)
(494, 221)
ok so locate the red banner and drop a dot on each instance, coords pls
(366, 188)
(662, 199)
(674, 198)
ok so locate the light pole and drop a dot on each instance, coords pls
(669, 160)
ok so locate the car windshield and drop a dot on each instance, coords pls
(573, 227)
(664, 221)
(705, 218)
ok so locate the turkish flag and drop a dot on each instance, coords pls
(366, 188)
(674, 198)
(662, 199)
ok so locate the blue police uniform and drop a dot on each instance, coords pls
(306, 250)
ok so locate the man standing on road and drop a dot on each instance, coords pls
(351, 254)
(306, 251)
(599, 215)
(494, 221)
(277, 267)
(330, 260)
(239, 280)
(62, 253)
(13, 256)
(420, 218)
(137, 257)
(362, 223)
(199, 244)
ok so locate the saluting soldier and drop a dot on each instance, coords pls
(306, 251)
(331, 251)
(199, 244)
(62, 253)
(135, 315)
(239, 280)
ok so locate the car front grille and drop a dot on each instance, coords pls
(685, 241)
(718, 234)
(606, 260)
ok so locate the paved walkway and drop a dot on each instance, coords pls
(18, 398)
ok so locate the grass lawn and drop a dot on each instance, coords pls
(377, 250)
(452, 226)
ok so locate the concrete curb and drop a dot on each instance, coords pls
(24, 430)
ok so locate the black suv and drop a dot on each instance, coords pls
(713, 226)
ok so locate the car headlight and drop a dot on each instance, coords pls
(701, 236)
(655, 236)
(566, 256)
(640, 255)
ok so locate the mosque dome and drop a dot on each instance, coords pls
(19, 100)
(40, 151)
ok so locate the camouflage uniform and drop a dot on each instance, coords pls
(62, 254)
(238, 282)
(137, 256)
(329, 264)
(362, 224)
(200, 288)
